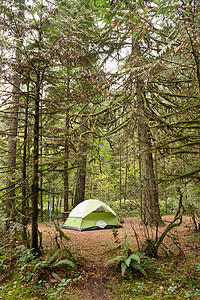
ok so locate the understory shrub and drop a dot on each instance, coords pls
(129, 261)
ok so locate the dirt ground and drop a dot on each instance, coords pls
(92, 244)
(96, 246)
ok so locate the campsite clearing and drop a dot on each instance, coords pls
(96, 247)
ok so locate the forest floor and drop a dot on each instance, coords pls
(102, 282)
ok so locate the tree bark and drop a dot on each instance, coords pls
(126, 174)
(82, 162)
(81, 175)
(150, 211)
(24, 167)
(66, 157)
(35, 178)
(120, 178)
(66, 166)
(12, 142)
(12, 148)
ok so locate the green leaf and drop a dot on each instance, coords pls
(187, 294)
(135, 257)
(123, 268)
(128, 261)
(64, 262)
(127, 245)
(117, 258)
(52, 257)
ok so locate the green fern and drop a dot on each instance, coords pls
(129, 262)
(50, 264)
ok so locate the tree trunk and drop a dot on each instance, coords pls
(41, 174)
(81, 175)
(150, 212)
(82, 161)
(126, 175)
(12, 143)
(66, 165)
(12, 147)
(66, 158)
(35, 188)
(120, 178)
(24, 166)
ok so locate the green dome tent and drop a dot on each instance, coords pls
(91, 215)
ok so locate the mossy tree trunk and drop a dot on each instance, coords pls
(35, 177)
(24, 167)
(12, 136)
(12, 148)
(150, 211)
(82, 163)
(81, 174)
(66, 155)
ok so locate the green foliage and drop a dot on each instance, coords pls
(168, 205)
(31, 267)
(128, 261)
(115, 234)
(127, 209)
(15, 290)
(49, 265)
(23, 275)
(116, 237)
(198, 267)
(23, 255)
(3, 258)
(163, 282)
(59, 291)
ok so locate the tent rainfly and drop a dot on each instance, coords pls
(91, 214)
